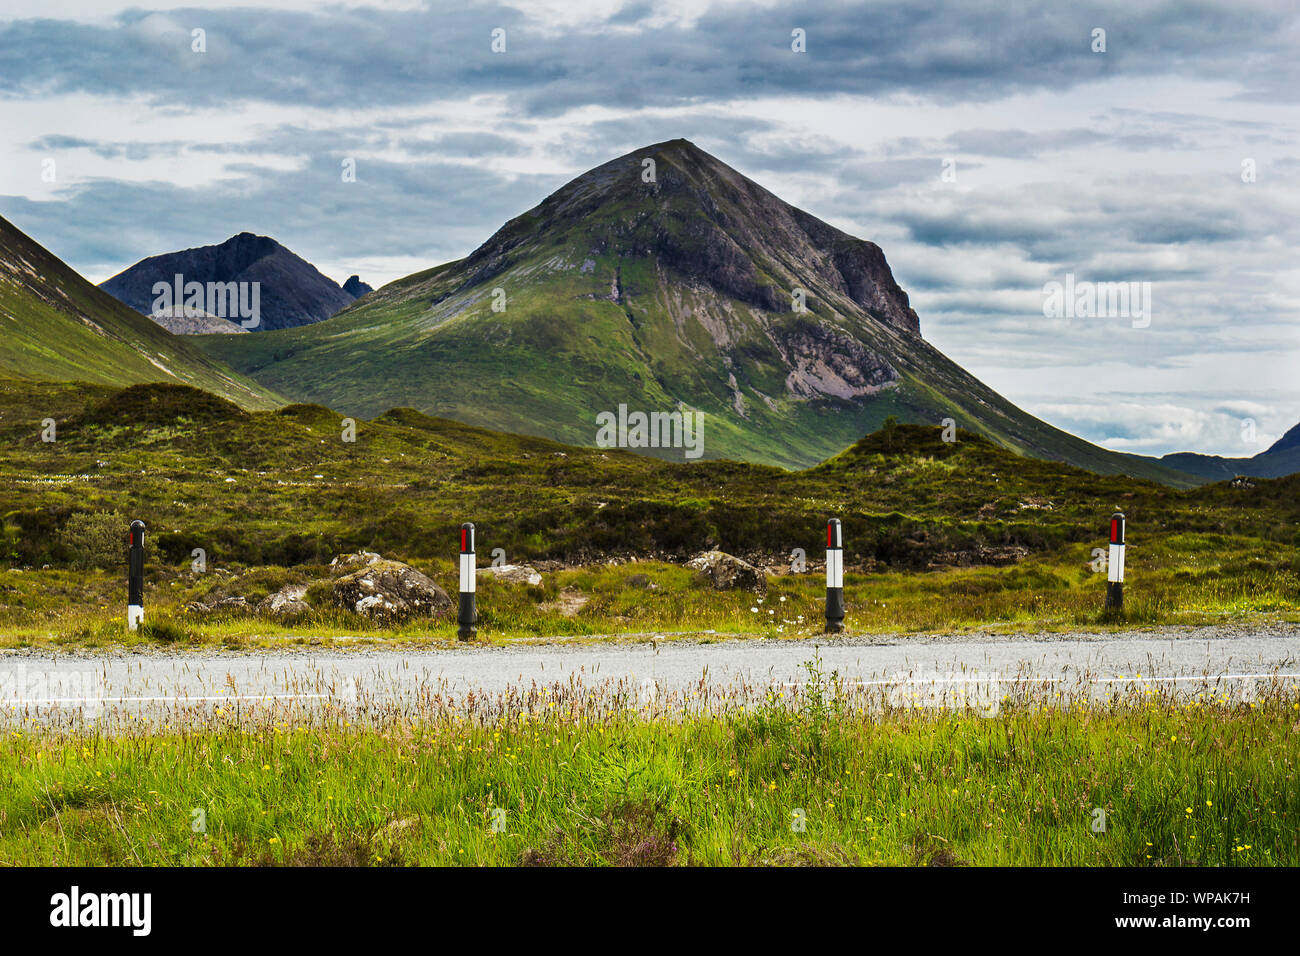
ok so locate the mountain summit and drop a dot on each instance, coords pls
(662, 280)
(696, 217)
(292, 291)
(356, 288)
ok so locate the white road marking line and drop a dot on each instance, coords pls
(178, 700)
(1054, 680)
(872, 683)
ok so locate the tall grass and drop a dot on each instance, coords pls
(563, 775)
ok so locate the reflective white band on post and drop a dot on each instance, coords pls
(834, 554)
(467, 572)
(835, 568)
(134, 616)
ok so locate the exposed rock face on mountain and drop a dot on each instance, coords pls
(57, 326)
(181, 321)
(663, 281)
(705, 221)
(355, 287)
(291, 291)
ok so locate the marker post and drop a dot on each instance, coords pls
(834, 577)
(135, 576)
(1115, 564)
(467, 616)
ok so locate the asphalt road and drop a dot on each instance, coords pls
(158, 686)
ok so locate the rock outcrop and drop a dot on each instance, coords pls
(285, 605)
(347, 563)
(390, 591)
(513, 573)
(356, 288)
(726, 572)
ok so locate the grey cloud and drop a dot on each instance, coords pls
(436, 210)
(333, 57)
(974, 258)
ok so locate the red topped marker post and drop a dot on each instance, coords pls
(834, 577)
(1115, 564)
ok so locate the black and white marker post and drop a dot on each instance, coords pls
(468, 615)
(1115, 564)
(834, 577)
(135, 576)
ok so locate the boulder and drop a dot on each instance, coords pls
(726, 572)
(225, 605)
(385, 590)
(286, 604)
(513, 573)
(347, 563)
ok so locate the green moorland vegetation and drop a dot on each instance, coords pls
(555, 776)
(939, 535)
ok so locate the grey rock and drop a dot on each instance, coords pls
(513, 573)
(390, 591)
(347, 563)
(224, 605)
(286, 604)
(726, 572)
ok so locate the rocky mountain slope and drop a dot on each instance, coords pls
(292, 291)
(695, 289)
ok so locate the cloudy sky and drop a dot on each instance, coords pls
(989, 146)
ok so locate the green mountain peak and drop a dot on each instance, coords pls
(662, 280)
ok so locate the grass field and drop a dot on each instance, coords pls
(938, 535)
(561, 776)
(84, 609)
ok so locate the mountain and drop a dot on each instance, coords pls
(1278, 460)
(291, 291)
(56, 326)
(356, 288)
(680, 291)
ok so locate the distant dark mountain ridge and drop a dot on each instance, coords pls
(292, 292)
(1278, 460)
